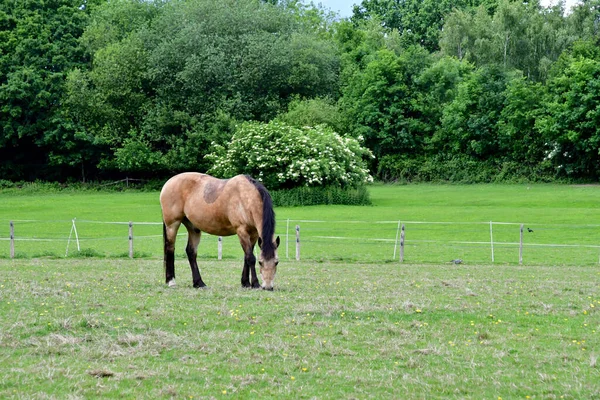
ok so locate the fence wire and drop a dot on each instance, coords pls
(346, 241)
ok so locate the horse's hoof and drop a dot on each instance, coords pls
(171, 283)
(200, 286)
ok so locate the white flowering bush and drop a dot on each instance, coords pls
(283, 156)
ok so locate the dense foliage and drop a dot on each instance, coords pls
(461, 90)
(319, 195)
(186, 71)
(38, 47)
(283, 156)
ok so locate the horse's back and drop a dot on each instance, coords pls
(178, 188)
(211, 204)
(184, 179)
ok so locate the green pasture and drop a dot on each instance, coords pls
(442, 223)
(110, 328)
(346, 321)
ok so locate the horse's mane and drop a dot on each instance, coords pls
(268, 223)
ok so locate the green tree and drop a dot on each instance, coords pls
(523, 106)
(582, 22)
(38, 46)
(469, 122)
(419, 22)
(381, 102)
(188, 70)
(517, 35)
(313, 112)
(437, 86)
(572, 114)
(457, 37)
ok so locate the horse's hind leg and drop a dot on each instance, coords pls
(191, 250)
(169, 236)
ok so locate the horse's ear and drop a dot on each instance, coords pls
(259, 243)
(277, 241)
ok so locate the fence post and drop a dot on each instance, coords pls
(73, 229)
(402, 244)
(287, 239)
(492, 240)
(76, 235)
(130, 239)
(220, 248)
(297, 242)
(396, 242)
(12, 240)
(521, 245)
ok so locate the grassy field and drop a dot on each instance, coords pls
(84, 329)
(343, 322)
(443, 222)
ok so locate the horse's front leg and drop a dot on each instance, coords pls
(250, 269)
(249, 260)
(255, 283)
(247, 241)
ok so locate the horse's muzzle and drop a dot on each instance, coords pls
(270, 289)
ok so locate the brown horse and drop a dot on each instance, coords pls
(223, 207)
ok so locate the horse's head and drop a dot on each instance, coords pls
(268, 261)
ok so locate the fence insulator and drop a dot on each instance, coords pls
(402, 244)
(220, 248)
(12, 240)
(297, 242)
(130, 239)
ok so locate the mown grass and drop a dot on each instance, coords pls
(109, 328)
(557, 214)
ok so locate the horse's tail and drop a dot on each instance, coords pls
(165, 242)
(165, 236)
(268, 222)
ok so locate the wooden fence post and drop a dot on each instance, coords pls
(12, 240)
(297, 242)
(220, 248)
(130, 239)
(521, 245)
(492, 239)
(402, 244)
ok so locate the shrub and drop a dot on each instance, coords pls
(6, 184)
(283, 156)
(460, 170)
(310, 196)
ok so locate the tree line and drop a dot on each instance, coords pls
(463, 90)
